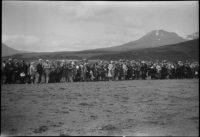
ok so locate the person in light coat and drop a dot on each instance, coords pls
(32, 72)
(47, 70)
(111, 71)
(125, 69)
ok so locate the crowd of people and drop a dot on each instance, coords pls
(14, 71)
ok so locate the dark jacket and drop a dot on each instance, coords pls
(9, 68)
(23, 68)
(39, 68)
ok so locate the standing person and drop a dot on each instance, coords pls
(23, 72)
(78, 72)
(9, 71)
(143, 70)
(81, 72)
(74, 72)
(85, 69)
(70, 71)
(28, 77)
(116, 71)
(110, 71)
(64, 71)
(158, 70)
(58, 72)
(16, 73)
(39, 69)
(134, 67)
(125, 69)
(32, 73)
(47, 70)
(3, 72)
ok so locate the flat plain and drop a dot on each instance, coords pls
(133, 107)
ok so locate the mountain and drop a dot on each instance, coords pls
(188, 50)
(152, 39)
(192, 36)
(6, 51)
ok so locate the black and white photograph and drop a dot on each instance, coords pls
(100, 68)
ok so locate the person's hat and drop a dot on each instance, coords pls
(47, 60)
(120, 60)
(143, 62)
(111, 61)
(9, 59)
(40, 59)
(32, 63)
(84, 59)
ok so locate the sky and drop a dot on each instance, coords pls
(49, 26)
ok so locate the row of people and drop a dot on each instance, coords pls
(45, 71)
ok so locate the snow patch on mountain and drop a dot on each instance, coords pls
(157, 32)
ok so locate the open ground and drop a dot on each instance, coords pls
(135, 107)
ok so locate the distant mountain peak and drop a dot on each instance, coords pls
(159, 38)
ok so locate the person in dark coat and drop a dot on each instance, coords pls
(23, 72)
(59, 70)
(9, 71)
(3, 72)
(28, 76)
(143, 70)
(16, 73)
(39, 69)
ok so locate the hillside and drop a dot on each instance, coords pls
(7, 51)
(188, 50)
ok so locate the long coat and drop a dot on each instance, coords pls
(64, 71)
(23, 68)
(110, 70)
(9, 68)
(39, 69)
(47, 69)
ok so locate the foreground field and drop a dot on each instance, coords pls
(142, 107)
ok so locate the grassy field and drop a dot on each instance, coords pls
(136, 107)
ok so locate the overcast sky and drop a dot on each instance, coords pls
(72, 26)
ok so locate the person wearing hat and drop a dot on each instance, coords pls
(9, 71)
(143, 69)
(47, 70)
(39, 69)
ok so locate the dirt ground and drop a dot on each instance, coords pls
(136, 107)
